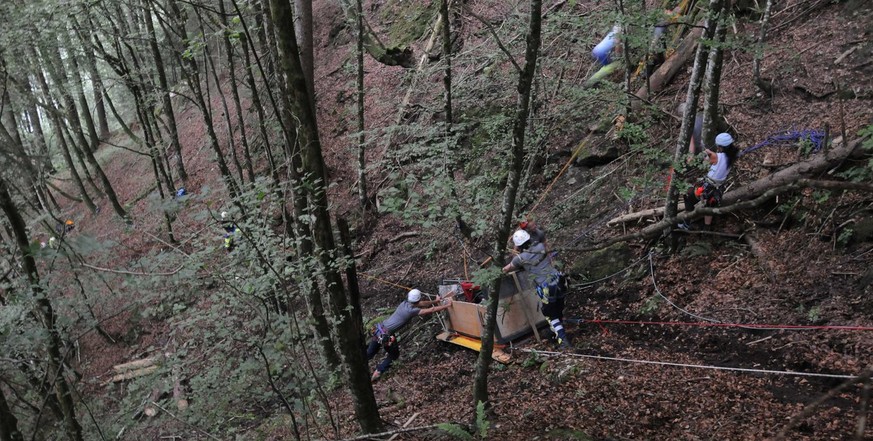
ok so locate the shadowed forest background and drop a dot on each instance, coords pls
(207, 205)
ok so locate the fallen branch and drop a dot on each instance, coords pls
(133, 273)
(807, 411)
(493, 34)
(391, 432)
(135, 365)
(404, 236)
(131, 374)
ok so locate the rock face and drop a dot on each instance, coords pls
(602, 263)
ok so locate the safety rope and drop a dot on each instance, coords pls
(695, 366)
(658, 291)
(576, 152)
(758, 326)
(814, 136)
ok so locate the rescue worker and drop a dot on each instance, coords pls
(537, 235)
(550, 283)
(384, 334)
(229, 231)
(710, 189)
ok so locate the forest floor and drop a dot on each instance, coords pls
(802, 278)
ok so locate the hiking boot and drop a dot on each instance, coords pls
(684, 226)
(563, 343)
(376, 376)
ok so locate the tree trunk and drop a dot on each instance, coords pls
(235, 94)
(59, 77)
(166, 101)
(97, 87)
(259, 108)
(303, 32)
(79, 89)
(690, 107)
(192, 77)
(45, 313)
(41, 149)
(8, 423)
(712, 83)
(362, 162)
(765, 86)
(57, 124)
(387, 55)
(346, 335)
(507, 209)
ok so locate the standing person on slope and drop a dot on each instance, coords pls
(710, 189)
(384, 334)
(549, 282)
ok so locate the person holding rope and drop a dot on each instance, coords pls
(550, 284)
(710, 189)
(384, 334)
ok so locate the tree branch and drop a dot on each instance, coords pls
(493, 34)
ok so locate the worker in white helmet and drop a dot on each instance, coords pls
(384, 334)
(710, 189)
(550, 284)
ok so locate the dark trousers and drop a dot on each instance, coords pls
(392, 350)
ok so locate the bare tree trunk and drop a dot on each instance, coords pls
(447, 72)
(712, 84)
(8, 423)
(43, 310)
(259, 108)
(363, 200)
(390, 56)
(59, 134)
(346, 335)
(765, 86)
(235, 94)
(41, 149)
(79, 89)
(303, 32)
(97, 84)
(165, 93)
(690, 107)
(507, 209)
(190, 72)
(59, 76)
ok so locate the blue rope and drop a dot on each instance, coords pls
(815, 136)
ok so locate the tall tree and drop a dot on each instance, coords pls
(234, 90)
(167, 102)
(691, 99)
(44, 312)
(507, 208)
(712, 81)
(8, 423)
(362, 162)
(314, 179)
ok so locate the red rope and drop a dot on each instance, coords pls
(733, 325)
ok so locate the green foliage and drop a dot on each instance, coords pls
(845, 236)
(862, 173)
(481, 421)
(651, 305)
(455, 431)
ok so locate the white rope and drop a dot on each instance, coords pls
(658, 291)
(697, 366)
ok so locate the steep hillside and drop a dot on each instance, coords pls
(691, 336)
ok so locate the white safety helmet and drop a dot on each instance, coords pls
(520, 237)
(413, 296)
(223, 214)
(724, 139)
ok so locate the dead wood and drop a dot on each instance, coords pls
(132, 374)
(670, 68)
(808, 410)
(136, 364)
(761, 256)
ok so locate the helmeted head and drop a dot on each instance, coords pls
(69, 223)
(724, 139)
(520, 237)
(223, 214)
(413, 296)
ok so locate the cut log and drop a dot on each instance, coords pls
(761, 256)
(132, 374)
(136, 364)
(661, 77)
(179, 393)
(630, 217)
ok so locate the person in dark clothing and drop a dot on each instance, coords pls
(549, 282)
(384, 334)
